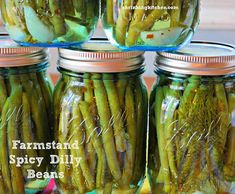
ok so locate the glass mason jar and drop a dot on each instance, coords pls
(51, 23)
(150, 24)
(26, 115)
(192, 121)
(100, 105)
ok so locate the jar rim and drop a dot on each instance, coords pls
(13, 55)
(98, 55)
(199, 58)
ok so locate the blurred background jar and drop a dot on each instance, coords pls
(26, 115)
(101, 104)
(150, 24)
(50, 23)
(192, 129)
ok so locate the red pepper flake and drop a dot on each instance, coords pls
(57, 12)
(83, 90)
(150, 36)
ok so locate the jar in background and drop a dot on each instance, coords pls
(192, 129)
(150, 24)
(26, 115)
(100, 106)
(50, 23)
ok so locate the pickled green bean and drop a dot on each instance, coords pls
(3, 92)
(63, 137)
(131, 130)
(4, 147)
(77, 132)
(141, 107)
(122, 22)
(121, 88)
(109, 10)
(56, 101)
(175, 13)
(161, 139)
(107, 130)
(26, 128)
(89, 97)
(118, 124)
(15, 106)
(57, 19)
(229, 170)
(46, 89)
(95, 139)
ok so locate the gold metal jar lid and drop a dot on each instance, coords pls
(199, 58)
(99, 56)
(13, 55)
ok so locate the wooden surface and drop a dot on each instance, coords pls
(149, 82)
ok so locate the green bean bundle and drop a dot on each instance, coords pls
(49, 22)
(106, 114)
(192, 141)
(25, 117)
(150, 22)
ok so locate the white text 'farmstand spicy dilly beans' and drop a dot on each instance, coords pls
(192, 130)
(100, 101)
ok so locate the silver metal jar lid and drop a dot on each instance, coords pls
(99, 56)
(199, 58)
(13, 55)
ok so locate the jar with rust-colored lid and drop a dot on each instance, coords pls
(25, 112)
(192, 121)
(100, 105)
